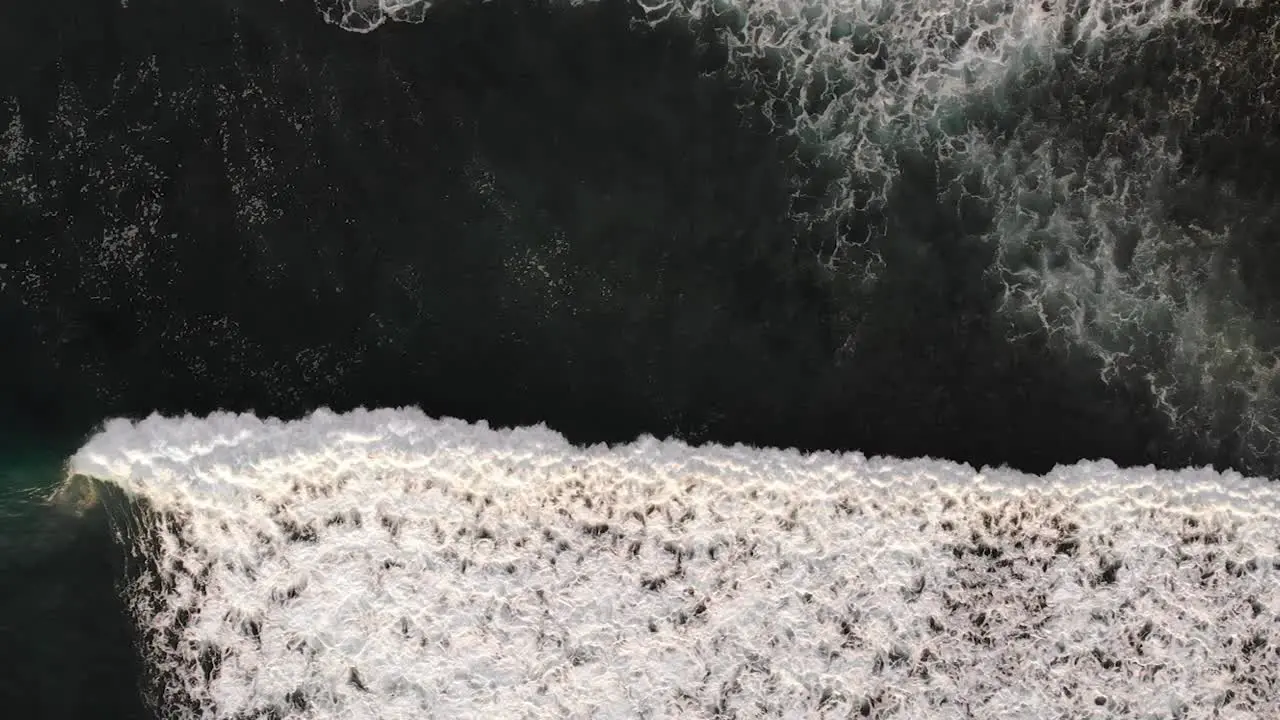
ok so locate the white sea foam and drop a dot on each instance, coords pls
(387, 565)
(1084, 197)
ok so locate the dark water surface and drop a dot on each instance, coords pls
(509, 213)
(66, 644)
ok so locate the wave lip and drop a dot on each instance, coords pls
(386, 564)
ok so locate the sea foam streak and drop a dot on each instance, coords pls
(386, 564)
(1085, 176)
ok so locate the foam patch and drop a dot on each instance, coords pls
(386, 564)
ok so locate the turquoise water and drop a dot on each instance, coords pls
(66, 645)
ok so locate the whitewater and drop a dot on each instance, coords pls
(385, 564)
(1069, 126)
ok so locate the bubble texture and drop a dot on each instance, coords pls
(386, 564)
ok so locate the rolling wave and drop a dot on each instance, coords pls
(385, 564)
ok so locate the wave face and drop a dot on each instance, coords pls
(999, 232)
(384, 564)
(67, 640)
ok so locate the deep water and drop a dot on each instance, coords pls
(511, 213)
(518, 213)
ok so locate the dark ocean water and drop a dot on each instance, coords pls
(522, 212)
(66, 644)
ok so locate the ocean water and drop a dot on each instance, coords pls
(66, 642)
(994, 233)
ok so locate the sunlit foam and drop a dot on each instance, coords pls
(388, 565)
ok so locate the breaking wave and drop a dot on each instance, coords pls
(385, 564)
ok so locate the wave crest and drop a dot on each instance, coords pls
(385, 564)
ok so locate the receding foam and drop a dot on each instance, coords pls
(383, 564)
(1089, 222)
